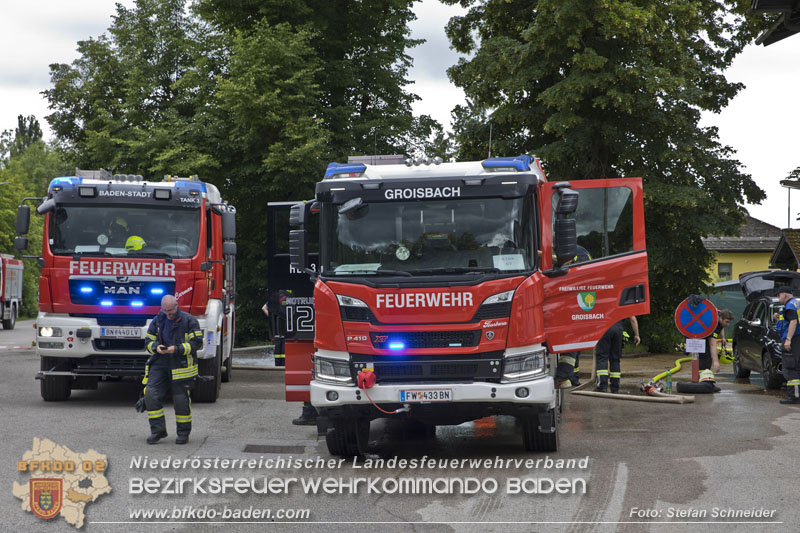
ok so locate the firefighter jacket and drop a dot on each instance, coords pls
(186, 336)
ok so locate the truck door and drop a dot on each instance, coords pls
(290, 297)
(607, 279)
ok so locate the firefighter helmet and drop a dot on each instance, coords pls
(725, 355)
(134, 243)
(706, 375)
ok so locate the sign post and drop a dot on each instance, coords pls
(696, 318)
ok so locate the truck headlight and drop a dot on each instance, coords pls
(332, 370)
(47, 331)
(525, 366)
(349, 301)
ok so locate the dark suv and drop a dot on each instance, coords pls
(756, 342)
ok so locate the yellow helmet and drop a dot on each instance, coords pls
(706, 375)
(134, 243)
(725, 355)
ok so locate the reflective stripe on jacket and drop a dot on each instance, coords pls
(185, 335)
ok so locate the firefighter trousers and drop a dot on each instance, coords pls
(609, 352)
(159, 383)
(791, 364)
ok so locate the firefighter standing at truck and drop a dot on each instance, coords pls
(791, 344)
(173, 338)
(609, 353)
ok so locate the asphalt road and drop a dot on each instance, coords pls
(645, 463)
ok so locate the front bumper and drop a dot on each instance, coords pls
(96, 354)
(478, 398)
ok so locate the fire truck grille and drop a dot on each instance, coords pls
(358, 314)
(115, 365)
(432, 368)
(493, 311)
(425, 339)
(118, 345)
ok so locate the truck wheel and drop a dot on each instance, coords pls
(54, 388)
(227, 369)
(12, 320)
(738, 370)
(536, 440)
(208, 391)
(348, 437)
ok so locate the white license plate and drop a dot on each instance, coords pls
(121, 332)
(428, 395)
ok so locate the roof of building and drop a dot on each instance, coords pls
(786, 251)
(755, 236)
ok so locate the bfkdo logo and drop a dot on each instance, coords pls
(586, 300)
(46, 497)
(62, 482)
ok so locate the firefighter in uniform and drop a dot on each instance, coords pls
(173, 338)
(791, 344)
(609, 352)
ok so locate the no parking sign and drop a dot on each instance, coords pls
(696, 318)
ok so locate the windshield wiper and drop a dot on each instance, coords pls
(377, 272)
(148, 254)
(457, 270)
(96, 253)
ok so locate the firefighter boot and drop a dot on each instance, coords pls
(182, 438)
(614, 382)
(790, 397)
(308, 417)
(155, 437)
(575, 378)
(602, 384)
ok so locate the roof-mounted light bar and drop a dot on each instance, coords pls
(346, 170)
(520, 163)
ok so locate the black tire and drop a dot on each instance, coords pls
(772, 377)
(738, 370)
(54, 388)
(348, 437)
(12, 320)
(227, 367)
(535, 440)
(208, 391)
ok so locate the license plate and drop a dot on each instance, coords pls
(428, 395)
(121, 332)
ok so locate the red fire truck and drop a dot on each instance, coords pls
(113, 246)
(444, 291)
(10, 289)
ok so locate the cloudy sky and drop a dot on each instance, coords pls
(760, 123)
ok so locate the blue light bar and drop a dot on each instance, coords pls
(74, 180)
(156, 291)
(341, 168)
(86, 289)
(396, 345)
(137, 303)
(520, 163)
(106, 303)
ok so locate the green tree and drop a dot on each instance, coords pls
(27, 175)
(14, 143)
(361, 52)
(603, 89)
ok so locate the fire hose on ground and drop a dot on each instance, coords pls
(655, 395)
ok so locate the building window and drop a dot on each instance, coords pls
(724, 271)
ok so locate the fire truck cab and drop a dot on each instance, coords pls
(112, 247)
(445, 291)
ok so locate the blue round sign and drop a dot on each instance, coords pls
(696, 321)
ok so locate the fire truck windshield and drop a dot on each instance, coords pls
(429, 237)
(124, 231)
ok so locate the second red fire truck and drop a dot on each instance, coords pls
(445, 291)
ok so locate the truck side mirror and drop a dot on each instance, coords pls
(297, 215)
(565, 246)
(298, 251)
(46, 206)
(21, 243)
(229, 224)
(228, 248)
(23, 219)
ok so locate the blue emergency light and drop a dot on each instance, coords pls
(86, 289)
(519, 163)
(396, 345)
(106, 303)
(156, 291)
(137, 303)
